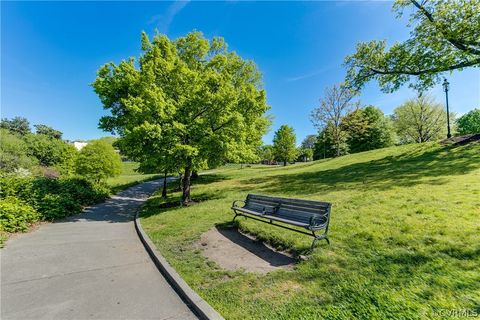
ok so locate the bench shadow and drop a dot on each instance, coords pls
(258, 248)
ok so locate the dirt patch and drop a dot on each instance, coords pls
(233, 250)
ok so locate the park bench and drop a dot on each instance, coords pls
(305, 214)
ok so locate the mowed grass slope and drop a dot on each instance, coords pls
(405, 236)
(129, 177)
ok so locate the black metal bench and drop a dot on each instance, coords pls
(310, 215)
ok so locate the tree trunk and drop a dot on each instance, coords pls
(164, 191)
(284, 163)
(186, 186)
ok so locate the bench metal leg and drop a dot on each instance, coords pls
(317, 238)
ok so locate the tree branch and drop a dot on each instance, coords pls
(432, 70)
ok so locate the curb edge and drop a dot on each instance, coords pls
(199, 306)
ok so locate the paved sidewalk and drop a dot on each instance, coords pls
(90, 266)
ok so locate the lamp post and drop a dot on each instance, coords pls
(446, 86)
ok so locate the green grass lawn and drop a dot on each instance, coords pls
(404, 231)
(129, 177)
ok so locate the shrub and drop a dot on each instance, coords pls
(52, 198)
(16, 215)
(98, 161)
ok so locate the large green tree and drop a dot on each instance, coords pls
(284, 144)
(367, 129)
(445, 36)
(469, 122)
(420, 120)
(189, 100)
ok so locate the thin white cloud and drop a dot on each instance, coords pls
(309, 75)
(163, 21)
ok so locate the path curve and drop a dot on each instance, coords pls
(89, 266)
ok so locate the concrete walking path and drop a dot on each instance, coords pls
(89, 266)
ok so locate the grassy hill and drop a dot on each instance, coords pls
(405, 236)
(129, 177)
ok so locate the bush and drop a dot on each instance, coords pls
(16, 215)
(53, 198)
(98, 161)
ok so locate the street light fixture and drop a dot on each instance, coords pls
(446, 86)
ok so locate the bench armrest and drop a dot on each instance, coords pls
(317, 220)
(234, 204)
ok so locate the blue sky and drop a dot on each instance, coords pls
(50, 52)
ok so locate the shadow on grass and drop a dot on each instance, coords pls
(405, 170)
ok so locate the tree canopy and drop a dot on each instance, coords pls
(445, 36)
(188, 101)
(98, 161)
(469, 122)
(18, 125)
(48, 131)
(420, 120)
(284, 144)
(368, 129)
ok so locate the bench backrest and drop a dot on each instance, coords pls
(291, 209)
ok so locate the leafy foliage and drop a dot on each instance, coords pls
(284, 144)
(445, 36)
(16, 215)
(48, 131)
(266, 152)
(18, 125)
(330, 145)
(51, 152)
(469, 122)
(368, 129)
(52, 198)
(14, 152)
(420, 120)
(309, 141)
(98, 161)
(189, 102)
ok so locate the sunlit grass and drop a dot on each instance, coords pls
(405, 236)
(129, 177)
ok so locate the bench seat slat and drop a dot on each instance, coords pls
(272, 217)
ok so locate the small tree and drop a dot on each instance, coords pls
(420, 120)
(48, 131)
(18, 125)
(284, 144)
(335, 104)
(368, 129)
(469, 122)
(98, 161)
